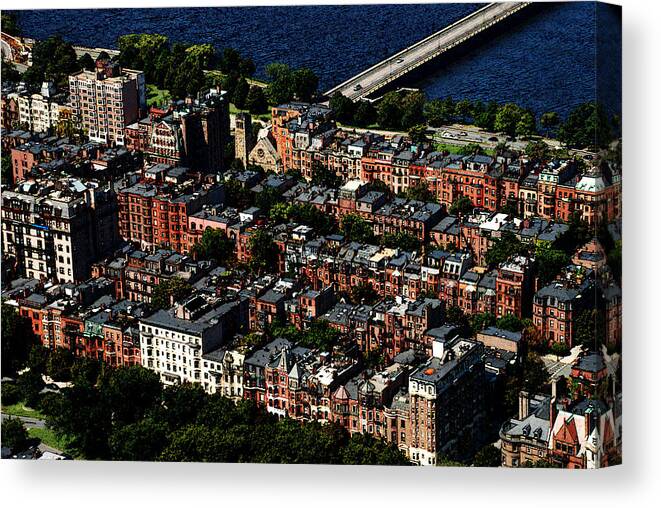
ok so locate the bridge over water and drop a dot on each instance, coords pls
(394, 67)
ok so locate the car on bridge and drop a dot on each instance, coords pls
(357, 87)
(399, 60)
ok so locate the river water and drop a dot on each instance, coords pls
(545, 62)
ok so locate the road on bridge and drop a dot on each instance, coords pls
(399, 64)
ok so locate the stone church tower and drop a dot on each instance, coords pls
(243, 142)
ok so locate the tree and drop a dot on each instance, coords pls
(471, 149)
(230, 61)
(462, 205)
(215, 245)
(170, 291)
(10, 23)
(52, 59)
(197, 443)
(281, 84)
(81, 416)
(17, 340)
(420, 192)
(267, 198)
(550, 262)
(505, 247)
(365, 114)
(86, 371)
(389, 111)
(9, 74)
(319, 335)
(488, 456)
(356, 229)
(263, 252)
(587, 126)
(508, 118)
(463, 109)
(363, 449)
(131, 392)
(86, 62)
(455, 316)
(142, 440)
(401, 240)
(256, 100)
(485, 117)
(538, 151)
(481, 321)
(304, 84)
(439, 112)
(559, 349)
(343, 107)
(240, 93)
(364, 293)
(413, 104)
(247, 67)
(418, 133)
(181, 404)
(322, 175)
(526, 126)
(30, 384)
(59, 364)
(590, 328)
(549, 120)
(11, 394)
(510, 322)
(14, 435)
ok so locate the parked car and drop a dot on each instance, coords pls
(494, 139)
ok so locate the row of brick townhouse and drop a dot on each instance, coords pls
(305, 133)
(136, 273)
(154, 211)
(192, 132)
(48, 156)
(84, 318)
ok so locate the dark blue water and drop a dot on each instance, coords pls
(546, 62)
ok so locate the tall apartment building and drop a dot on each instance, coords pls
(55, 230)
(107, 100)
(446, 399)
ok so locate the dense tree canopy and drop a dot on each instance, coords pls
(357, 229)
(129, 415)
(587, 126)
(503, 248)
(263, 252)
(286, 84)
(17, 340)
(215, 245)
(52, 59)
(169, 291)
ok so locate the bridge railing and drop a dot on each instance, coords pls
(433, 54)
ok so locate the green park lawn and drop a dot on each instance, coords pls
(48, 437)
(19, 409)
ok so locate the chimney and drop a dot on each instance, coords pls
(524, 404)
